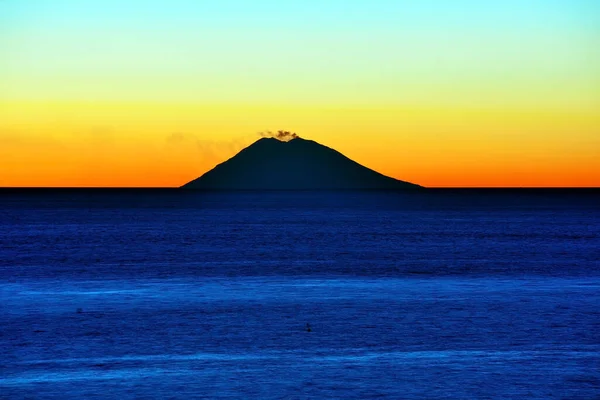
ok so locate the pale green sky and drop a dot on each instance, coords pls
(396, 52)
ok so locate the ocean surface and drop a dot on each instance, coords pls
(491, 294)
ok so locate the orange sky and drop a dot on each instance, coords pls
(153, 144)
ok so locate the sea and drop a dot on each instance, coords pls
(172, 294)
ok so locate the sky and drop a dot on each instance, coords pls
(437, 92)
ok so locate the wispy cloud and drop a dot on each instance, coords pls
(211, 150)
(11, 138)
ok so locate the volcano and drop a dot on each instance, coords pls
(297, 164)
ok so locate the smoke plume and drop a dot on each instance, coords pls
(284, 136)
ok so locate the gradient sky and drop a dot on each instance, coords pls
(437, 92)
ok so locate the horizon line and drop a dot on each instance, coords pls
(289, 190)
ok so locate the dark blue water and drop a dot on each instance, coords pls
(164, 294)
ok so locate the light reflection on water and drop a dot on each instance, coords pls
(451, 332)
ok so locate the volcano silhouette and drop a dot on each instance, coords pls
(297, 164)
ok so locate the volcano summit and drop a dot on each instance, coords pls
(297, 164)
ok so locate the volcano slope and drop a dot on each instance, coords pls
(297, 164)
